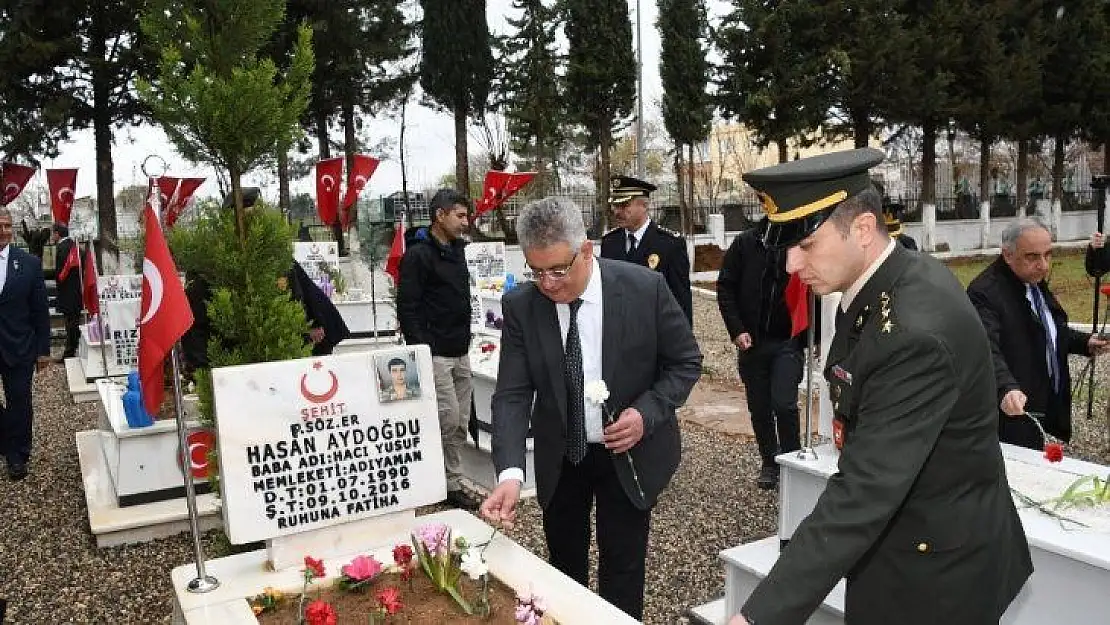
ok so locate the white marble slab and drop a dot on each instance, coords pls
(246, 575)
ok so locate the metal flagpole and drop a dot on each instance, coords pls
(639, 95)
(1099, 183)
(99, 316)
(203, 582)
(373, 283)
(806, 452)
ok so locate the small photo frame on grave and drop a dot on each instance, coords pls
(398, 376)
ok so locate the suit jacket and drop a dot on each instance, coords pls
(919, 517)
(24, 316)
(1018, 345)
(649, 361)
(661, 250)
(69, 290)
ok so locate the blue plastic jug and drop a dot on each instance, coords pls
(510, 282)
(133, 410)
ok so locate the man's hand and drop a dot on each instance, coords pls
(743, 341)
(738, 620)
(42, 363)
(1013, 403)
(1098, 240)
(625, 432)
(1097, 345)
(500, 507)
(316, 335)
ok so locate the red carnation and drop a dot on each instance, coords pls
(320, 612)
(402, 555)
(313, 566)
(1054, 452)
(390, 600)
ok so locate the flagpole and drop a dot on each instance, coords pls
(806, 452)
(99, 312)
(373, 284)
(203, 582)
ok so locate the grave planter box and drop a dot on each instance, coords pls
(143, 462)
(359, 317)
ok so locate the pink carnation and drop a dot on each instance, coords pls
(362, 568)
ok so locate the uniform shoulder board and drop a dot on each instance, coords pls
(668, 232)
(609, 232)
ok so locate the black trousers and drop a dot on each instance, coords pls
(15, 415)
(622, 531)
(771, 371)
(73, 334)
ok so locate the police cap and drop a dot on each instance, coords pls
(625, 188)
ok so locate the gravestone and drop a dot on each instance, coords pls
(314, 257)
(311, 448)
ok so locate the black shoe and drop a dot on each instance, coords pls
(462, 500)
(17, 471)
(768, 477)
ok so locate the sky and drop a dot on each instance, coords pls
(429, 134)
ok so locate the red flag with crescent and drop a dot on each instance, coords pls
(396, 252)
(797, 302)
(14, 178)
(89, 292)
(498, 187)
(180, 198)
(362, 168)
(328, 173)
(164, 313)
(166, 187)
(62, 183)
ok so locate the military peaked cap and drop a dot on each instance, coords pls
(625, 188)
(799, 196)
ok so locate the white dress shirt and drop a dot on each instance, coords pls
(4, 265)
(639, 234)
(857, 286)
(589, 335)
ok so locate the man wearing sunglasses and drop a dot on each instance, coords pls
(581, 322)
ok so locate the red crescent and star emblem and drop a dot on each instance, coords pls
(197, 444)
(319, 398)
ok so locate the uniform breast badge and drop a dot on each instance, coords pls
(884, 311)
(653, 261)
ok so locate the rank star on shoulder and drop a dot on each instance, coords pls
(888, 325)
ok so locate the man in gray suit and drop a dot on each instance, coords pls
(582, 321)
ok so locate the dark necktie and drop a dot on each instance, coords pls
(631, 243)
(572, 374)
(1050, 347)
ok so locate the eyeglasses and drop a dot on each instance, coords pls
(555, 273)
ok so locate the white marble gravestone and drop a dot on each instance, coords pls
(311, 444)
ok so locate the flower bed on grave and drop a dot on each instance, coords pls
(436, 580)
(1078, 501)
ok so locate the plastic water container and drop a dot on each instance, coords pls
(510, 282)
(133, 410)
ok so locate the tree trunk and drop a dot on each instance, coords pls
(1023, 178)
(680, 177)
(984, 171)
(322, 134)
(240, 216)
(691, 199)
(604, 145)
(284, 200)
(102, 136)
(542, 184)
(1106, 157)
(929, 162)
(1058, 170)
(861, 128)
(951, 136)
(404, 168)
(784, 151)
(462, 163)
(349, 148)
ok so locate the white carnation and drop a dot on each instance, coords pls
(473, 565)
(597, 391)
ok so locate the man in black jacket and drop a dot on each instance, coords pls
(1029, 335)
(68, 279)
(751, 291)
(433, 308)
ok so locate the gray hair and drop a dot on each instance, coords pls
(1014, 231)
(550, 221)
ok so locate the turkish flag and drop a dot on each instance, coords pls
(797, 302)
(499, 187)
(89, 294)
(164, 312)
(166, 187)
(62, 182)
(362, 168)
(328, 173)
(14, 178)
(72, 258)
(180, 197)
(396, 252)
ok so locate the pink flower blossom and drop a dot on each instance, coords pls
(435, 537)
(362, 568)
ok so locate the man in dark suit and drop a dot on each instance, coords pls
(638, 239)
(919, 518)
(24, 344)
(1030, 337)
(620, 325)
(68, 279)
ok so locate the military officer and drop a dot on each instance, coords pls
(919, 518)
(638, 239)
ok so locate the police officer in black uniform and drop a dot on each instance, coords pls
(638, 239)
(919, 517)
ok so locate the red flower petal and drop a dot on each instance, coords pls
(1054, 452)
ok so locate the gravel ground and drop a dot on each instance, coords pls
(52, 572)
